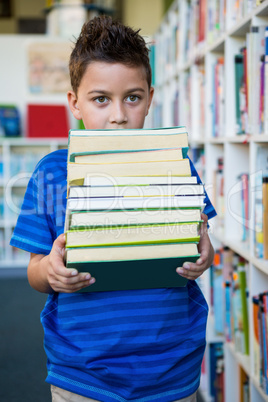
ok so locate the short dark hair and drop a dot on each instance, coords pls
(103, 39)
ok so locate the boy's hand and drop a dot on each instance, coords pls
(192, 270)
(60, 278)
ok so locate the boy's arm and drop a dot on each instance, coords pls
(194, 270)
(47, 273)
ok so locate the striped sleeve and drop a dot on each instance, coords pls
(34, 229)
(209, 209)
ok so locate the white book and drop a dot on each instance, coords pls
(136, 191)
(131, 217)
(102, 180)
(126, 140)
(177, 168)
(111, 203)
(129, 132)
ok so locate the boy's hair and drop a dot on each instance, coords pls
(103, 39)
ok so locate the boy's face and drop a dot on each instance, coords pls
(112, 96)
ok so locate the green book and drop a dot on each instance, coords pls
(244, 305)
(130, 275)
(129, 156)
(139, 267)
(127, 140)
(134, 234)
(87, 219)
(239, 76)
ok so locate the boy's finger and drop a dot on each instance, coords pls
(60, 240)
(188, 274)
(73, 287)
(204, 217)
(59, 245)
(77, 279)
(61, 270)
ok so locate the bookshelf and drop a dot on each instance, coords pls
(65, 18)
(195, 85)
(18, 158)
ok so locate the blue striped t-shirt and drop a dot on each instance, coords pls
(139, 345)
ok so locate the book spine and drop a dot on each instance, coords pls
(243, 295)
(265, 330)
(266, 83)
(265, 216)
(256, 339)
(228, 314)
(261, 110)
(239, 74)
(245, 206)
(264, 345)
(245, 115)
(261, 342)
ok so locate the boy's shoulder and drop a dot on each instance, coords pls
(53, 160)
(52, 168)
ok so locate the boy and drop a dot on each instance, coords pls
(144, 345)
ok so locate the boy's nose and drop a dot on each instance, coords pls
(118, 114)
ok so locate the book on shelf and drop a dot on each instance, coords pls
(256, 339)
(202, 20)
(244, 304)
(244, 178)
(263, 318)
(175, 108)
(244, 94)
(217, 281)
(216, 362)
(129, 218)
(218, 191)
(265, 216)
(260, 345)
(262, 81)
(251, 84)
(255, 49)
(265, 118)
(240, 334)
(227, 270)
(240, 94)
(218, 98)
(230, 298)
(10, 121)
(47, 120)
(244, 386)
(260, 178)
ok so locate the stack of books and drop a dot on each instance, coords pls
(133, 209)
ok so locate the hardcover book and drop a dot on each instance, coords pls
(133, 209)
(132, 267)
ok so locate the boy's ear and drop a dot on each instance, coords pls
(72, 100)
(151, 94)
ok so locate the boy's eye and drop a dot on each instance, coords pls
(101, 99)
(132, 98)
